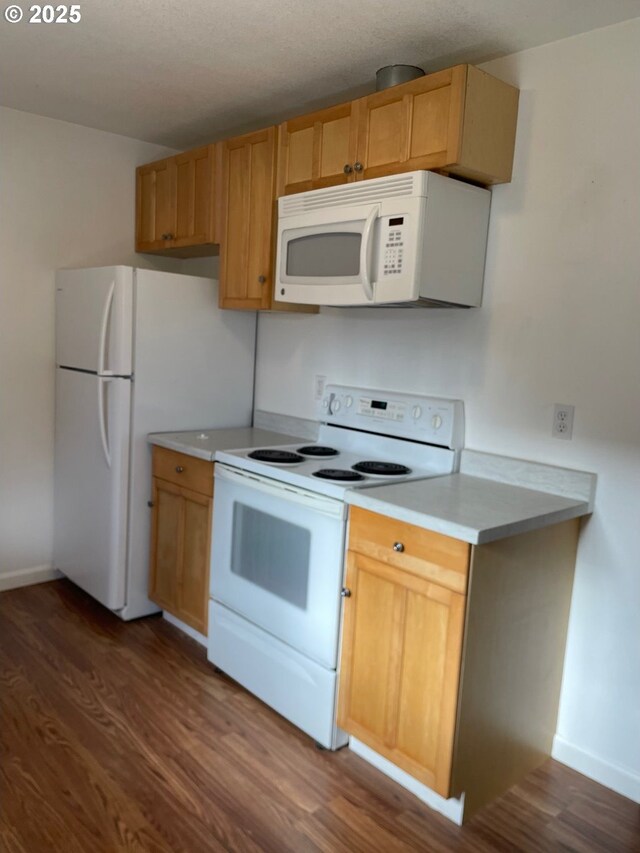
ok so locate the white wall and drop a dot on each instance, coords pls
(560, 323)
(67, 196)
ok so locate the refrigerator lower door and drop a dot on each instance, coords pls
(91, 483)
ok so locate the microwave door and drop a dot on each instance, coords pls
(326, 257)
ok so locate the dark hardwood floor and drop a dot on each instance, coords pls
(119, 736)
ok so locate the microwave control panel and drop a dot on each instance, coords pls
(394, 245)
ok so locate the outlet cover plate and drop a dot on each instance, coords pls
(562, 426)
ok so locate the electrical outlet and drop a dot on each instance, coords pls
(318, 386)
(562, 421)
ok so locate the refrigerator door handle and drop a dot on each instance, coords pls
(106, 313)
(102, 382)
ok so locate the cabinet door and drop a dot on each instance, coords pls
(248, 194)
(166, 544)
(155, 205)
(400, 668)
(416, 125)
(193, 584)
(195, 173)
(180, 552)
(317, 150)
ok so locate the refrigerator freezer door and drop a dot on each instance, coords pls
(94, 320)
(91, 483)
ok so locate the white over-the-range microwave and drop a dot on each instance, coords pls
(412, 239)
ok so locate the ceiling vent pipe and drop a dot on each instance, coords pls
(393, 75)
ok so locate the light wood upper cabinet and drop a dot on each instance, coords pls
(175, 204)
(182, 501)
(317, 150)
(247, 210)
(195, 197)
(155, 205)
(460, 121)
(248, 223)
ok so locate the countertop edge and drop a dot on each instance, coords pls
(473, 535)
(157, 440)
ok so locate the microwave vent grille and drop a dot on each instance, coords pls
(368, 192)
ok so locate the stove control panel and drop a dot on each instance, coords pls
(389, 410)
(433, 420)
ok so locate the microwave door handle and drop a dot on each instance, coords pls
(365, 253)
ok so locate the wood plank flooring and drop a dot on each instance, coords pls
(119, 736)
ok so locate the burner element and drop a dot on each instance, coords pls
(343, 475)
(381, 469)
(277, 457)
(317, 450)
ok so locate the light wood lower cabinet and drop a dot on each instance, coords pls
(401, 667)
(181, 536)
(452, 654)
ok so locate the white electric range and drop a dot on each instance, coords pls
(279, 537)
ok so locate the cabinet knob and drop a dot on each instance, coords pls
(179, 469)
(167, 236)
(398, 546)
(262, 279)
(150, 504)
(345, 593)
(347, 169)
(358, 166)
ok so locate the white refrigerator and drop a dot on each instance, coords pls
(137, 351)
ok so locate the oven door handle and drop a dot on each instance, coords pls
(318, 503)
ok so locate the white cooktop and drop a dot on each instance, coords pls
(421, 433)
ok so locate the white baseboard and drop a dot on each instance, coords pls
(619, 779)
(28, 577)
(186, 629)
(452, 809)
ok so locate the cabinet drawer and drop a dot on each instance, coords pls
(183, 470)
(429, 555)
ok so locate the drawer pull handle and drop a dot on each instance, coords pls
(179, 469)
(398, 546)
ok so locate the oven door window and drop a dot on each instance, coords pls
(271, 553)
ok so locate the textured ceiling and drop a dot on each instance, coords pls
(180, 73)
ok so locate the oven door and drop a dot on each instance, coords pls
(325, 257)
(277, 557)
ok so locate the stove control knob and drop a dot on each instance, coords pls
(348, 401)
(436, 421)
(416, 412)
(325, 403)
(336, 406)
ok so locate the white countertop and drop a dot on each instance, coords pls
(204, 443)
(467, 506)
(474, 509)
